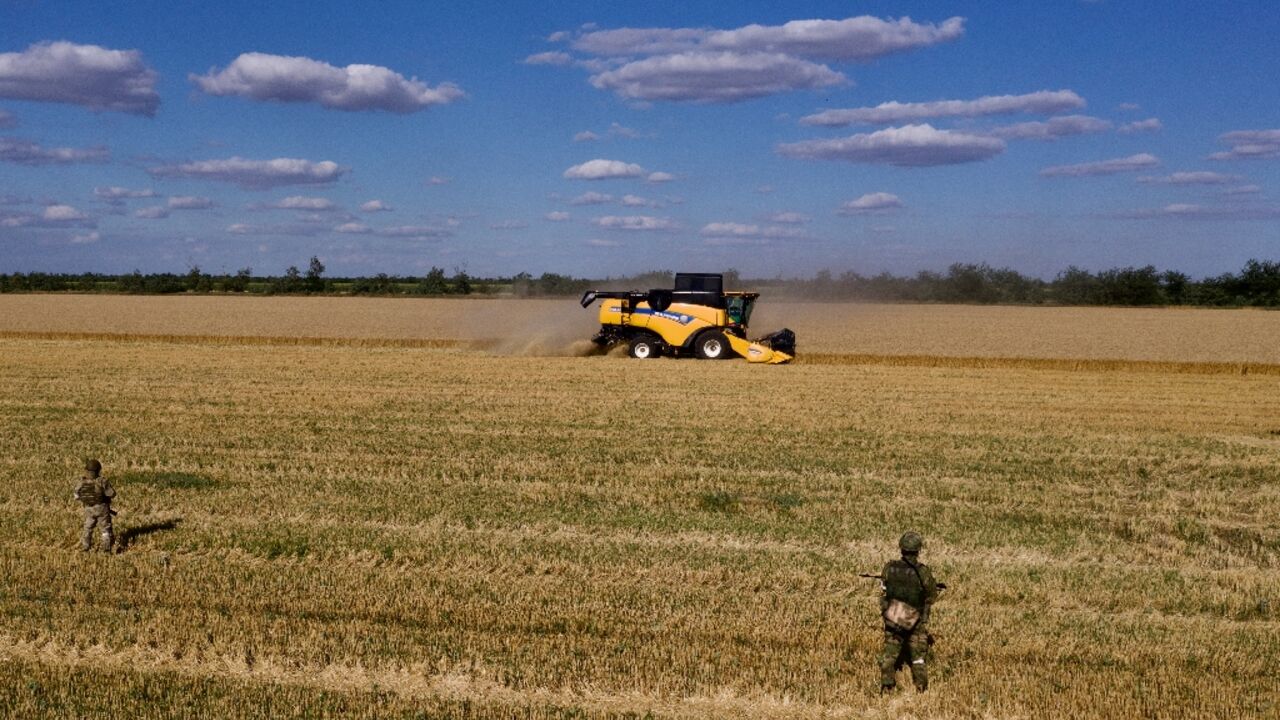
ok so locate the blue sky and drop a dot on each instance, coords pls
(611, 138)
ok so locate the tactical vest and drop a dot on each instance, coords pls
(902, 582)
(90, 492)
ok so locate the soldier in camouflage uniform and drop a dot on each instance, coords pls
(94, 492)
(908, 591)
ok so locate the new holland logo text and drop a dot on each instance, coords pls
(675, 317)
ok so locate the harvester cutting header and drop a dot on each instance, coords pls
(695, 318)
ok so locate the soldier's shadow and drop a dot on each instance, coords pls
(130, 534)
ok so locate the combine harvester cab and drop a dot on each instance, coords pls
(695, 318)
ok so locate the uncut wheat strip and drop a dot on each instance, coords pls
(1029, 363)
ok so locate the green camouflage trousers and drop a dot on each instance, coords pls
(911, 649)
(97, 516)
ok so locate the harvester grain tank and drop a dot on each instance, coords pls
(695, 318)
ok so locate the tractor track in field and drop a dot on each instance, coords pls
(959, 362)
(1055, 364)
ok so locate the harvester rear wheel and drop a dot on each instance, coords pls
(643, 348)
(711, 346)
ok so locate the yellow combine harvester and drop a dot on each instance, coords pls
(697, 317)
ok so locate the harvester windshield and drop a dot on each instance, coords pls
(739, 309)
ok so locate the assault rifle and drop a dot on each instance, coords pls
(941, 586)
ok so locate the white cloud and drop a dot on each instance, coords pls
(1243, 190)
(1044, 102)
(323, 217)
(907, 146)
(592, 198)
(414, 232)
(120, 193)
(854, 38)
(1182, 209)
(636, 223)
(618, 130)
(1189, 211)
(52, 216)
(87, 75)
(877, 203)
(659, 177)
(375, 206)
(554, 57)
(24, 152)
(585, 136)
(353, 228)
(601, 242)
(299, 79)
(1132, 163)
(256, 174)
(63, 213)
(189, 202)
(1052, 129)
(86, 238)
(743, 230)
(1246, 144)
(509, 225)
(557, 216)
(789, 218)
(1189, 178)
(155, 212)
(715, 77)
(437, 180)
(1140, 126)
(294, 229)
(600, 169)
(558, 36)
(639, 41)
(302, 202)
(637, 201)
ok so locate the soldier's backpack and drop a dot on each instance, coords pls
(89, 492)
(904, 588)
(901, 616)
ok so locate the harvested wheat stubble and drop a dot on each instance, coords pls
(347, 530)
(479, 535)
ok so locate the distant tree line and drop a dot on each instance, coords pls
(292, 282)
(1257, 284)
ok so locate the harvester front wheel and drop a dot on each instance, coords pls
(711, 346)
(643, 348)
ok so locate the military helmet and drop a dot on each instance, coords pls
(910, 542)
(93, 466)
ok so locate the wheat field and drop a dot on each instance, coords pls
(545, 326)
(405, 517)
